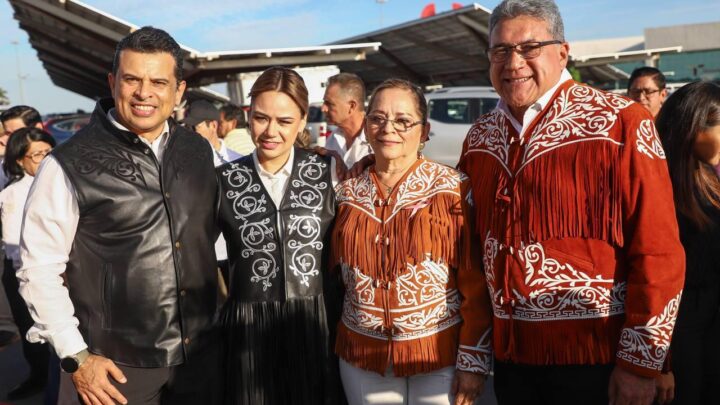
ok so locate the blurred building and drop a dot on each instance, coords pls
(684, 53)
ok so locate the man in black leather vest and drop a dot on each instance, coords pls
(126, 210)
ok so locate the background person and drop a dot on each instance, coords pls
(689, 126)
(415, 327)
(344, 106)
(36, 354)
(647, 87)
(276, 212)
(574, 208)
(26, 148)
(126, 210)
(233, 129)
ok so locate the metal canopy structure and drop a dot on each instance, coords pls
(448, 49)
(76, 44)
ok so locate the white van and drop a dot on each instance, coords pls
(451, 113)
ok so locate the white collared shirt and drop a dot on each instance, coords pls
(276, 183)
(358, 150)
(50, 223)
(535, 108)
(12, 202)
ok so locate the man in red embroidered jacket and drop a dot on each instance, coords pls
(575, 210)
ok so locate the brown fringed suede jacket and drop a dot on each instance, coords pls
(415, 295)
(581, 250)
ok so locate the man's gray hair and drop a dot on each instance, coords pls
(545, 10)
(351, 85)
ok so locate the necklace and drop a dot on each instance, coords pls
(389, 188)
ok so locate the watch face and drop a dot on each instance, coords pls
(69, 364)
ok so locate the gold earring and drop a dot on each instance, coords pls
(421, 146)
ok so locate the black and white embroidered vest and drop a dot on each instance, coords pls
(276, 253)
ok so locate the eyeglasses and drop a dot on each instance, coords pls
(635, 93)
(38, 156)
(527, 50)
(400, 124)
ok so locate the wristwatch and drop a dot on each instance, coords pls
(70, 364)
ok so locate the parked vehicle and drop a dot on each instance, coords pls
(451, 113)
(317, 125)
(62, 127)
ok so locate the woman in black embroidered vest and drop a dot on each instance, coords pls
(689, 127)
(276, 211)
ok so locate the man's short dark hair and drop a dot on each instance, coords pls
(233, 112)
(150, 40)
(29, 116)
(655, 74)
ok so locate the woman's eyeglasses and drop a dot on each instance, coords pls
(400, 124)
(38, 156)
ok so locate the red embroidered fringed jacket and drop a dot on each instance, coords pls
(581, 250)
(415, 296)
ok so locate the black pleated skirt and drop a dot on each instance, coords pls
(279, 353)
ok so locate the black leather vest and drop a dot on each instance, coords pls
(276, 254)
(142, 272)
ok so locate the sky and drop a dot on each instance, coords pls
(219, 25)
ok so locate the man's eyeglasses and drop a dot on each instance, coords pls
(38, 156)
(400, 124)
(636, 93)
(527, 50)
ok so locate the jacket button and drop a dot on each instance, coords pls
(177, 245)
(167, 195)
(186, 341)
(147, 151)
(182, 293)
(136, 140)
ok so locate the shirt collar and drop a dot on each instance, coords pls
(286, 170)
(541, 103)
(118, 125)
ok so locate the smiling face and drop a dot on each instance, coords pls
(145, 91)
(275, 121)
(388, 143)
(522, 82)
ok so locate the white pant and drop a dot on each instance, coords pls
(369, 388)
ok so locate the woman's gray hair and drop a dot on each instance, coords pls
(545, 10)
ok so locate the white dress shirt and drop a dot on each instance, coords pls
(276, 183)
(358, 150)
(50, 222)
(220, 157)
(12, 202)
(534, 109)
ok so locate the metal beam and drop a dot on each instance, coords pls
(76, 20)
(248, 65)
(79, 72)
(445, 50)
(71, 56)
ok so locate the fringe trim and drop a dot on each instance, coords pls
(432, 232)
(408, 357)
(579, 341)
(571, 192)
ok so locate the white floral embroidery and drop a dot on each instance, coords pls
(256, 236)
(358, 192)
(476, 359)
(425, 305)
(304, 230)
(488, 135)
(647, 345)
(427, 180)
(648, 141)
(579, 113)
(555, 290)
